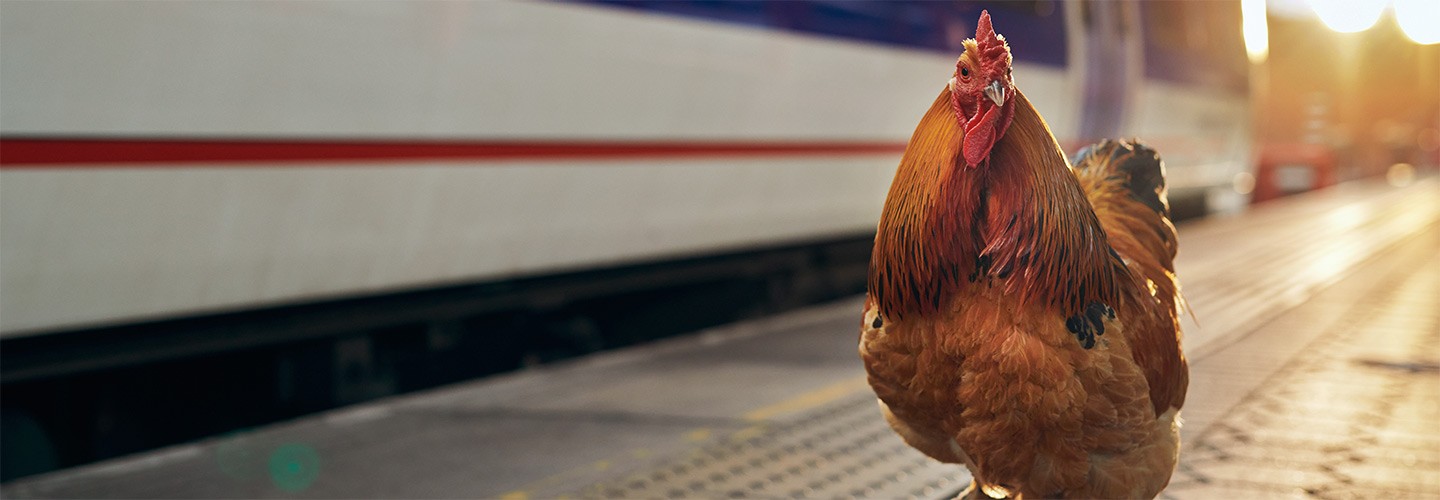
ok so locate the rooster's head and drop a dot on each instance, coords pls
(982, 91)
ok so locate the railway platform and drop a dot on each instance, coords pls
(1315, 372)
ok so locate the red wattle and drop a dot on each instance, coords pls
(980, 136)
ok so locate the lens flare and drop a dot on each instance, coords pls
(1349, 16)
(1400, 174)
(1419, 19)
(1244, 182)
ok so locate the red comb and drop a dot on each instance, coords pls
(984, 31)
(993, 50)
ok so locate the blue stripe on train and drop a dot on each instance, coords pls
(1035, 29)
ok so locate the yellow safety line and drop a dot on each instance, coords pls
(798, 403)
(809, 400)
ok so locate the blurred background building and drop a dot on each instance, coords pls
(1361, 78)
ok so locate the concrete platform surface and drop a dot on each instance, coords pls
(1338, 397)
(1315, 372)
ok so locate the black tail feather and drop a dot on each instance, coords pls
(1138, 164)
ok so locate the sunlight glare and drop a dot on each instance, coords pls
(1419, 20)
(1349, 16)
(1257, 37)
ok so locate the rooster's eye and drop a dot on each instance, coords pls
(965, 72)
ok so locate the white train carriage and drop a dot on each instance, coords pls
(165, 159)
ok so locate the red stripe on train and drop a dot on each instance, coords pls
(61, 153)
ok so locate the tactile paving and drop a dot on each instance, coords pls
(1353, 416)
(842, 450)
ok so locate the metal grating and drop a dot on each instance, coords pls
(843, 450)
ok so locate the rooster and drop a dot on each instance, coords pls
(1022, 316)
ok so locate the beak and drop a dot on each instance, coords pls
(995, 92)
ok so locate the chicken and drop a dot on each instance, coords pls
(1022, 318)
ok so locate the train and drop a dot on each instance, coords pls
(637, 130)
(169, 170)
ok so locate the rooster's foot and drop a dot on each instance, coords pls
(975, 492)
(1089, 323)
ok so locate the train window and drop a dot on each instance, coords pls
(1035, 8)
(1034, 28)
(1196, 43)
(1164, 25)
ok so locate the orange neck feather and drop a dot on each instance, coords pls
(912, 254)
(1021, 218)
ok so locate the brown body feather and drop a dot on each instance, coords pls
(973, 275)
(1145, 237)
